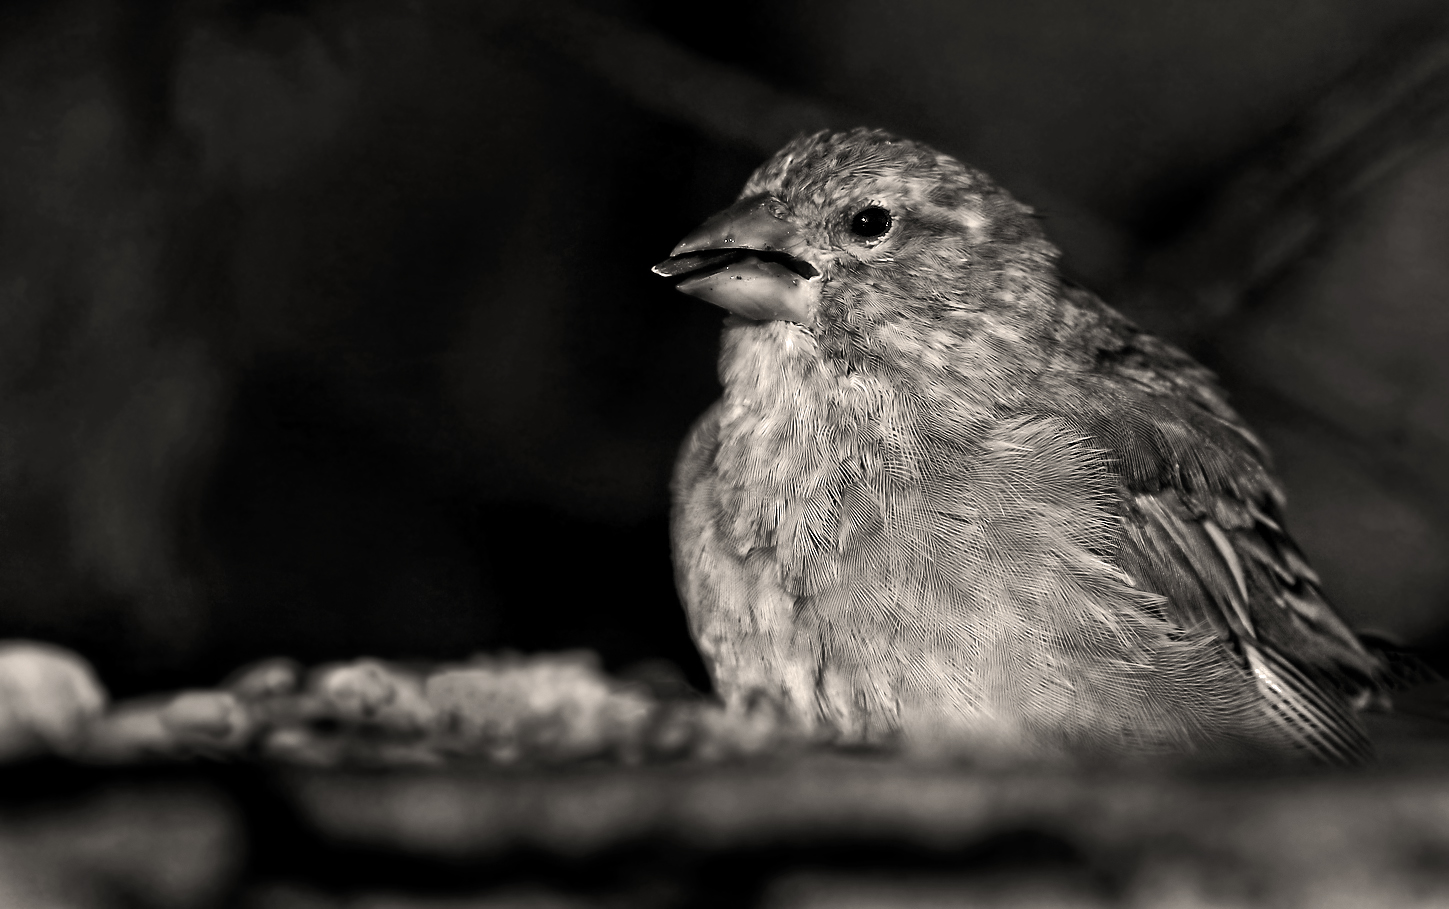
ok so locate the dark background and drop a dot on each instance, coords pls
(327, 329)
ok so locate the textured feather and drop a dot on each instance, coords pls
(1303, 661)
(974, 507)
(1196, 497)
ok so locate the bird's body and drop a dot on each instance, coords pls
(948, 498)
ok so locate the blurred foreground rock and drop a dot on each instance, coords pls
(855, 831)
(540, 781)
(171, 845)
(506, 708)
(838, 830)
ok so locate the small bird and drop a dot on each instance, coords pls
(950, 499)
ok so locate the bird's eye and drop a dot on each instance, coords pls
(870, 222)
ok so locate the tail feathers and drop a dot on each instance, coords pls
(1406, 683)
(1399, 667)
(1429, 701)
(1315, 720)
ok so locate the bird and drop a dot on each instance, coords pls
(951, 500)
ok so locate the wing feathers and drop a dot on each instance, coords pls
(1235, 565)
(1319, 723)
(1195, 545)
(1304, 660)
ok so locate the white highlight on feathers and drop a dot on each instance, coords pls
(1230, 555)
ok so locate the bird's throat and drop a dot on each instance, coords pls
(794, 429)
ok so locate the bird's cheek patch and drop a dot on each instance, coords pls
(975, 225)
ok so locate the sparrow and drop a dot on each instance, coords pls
(952, 500)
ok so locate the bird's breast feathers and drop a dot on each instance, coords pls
(883, 571)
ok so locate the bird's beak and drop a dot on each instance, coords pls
(748, 259)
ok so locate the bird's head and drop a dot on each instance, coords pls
(879, 248)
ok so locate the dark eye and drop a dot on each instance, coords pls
(870, 222)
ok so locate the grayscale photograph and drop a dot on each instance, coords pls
(610, 454)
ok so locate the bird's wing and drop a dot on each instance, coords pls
(1202, 527)
(1250, 584)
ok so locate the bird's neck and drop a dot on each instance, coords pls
(775, 372)
(793, 426)
(795, 420)
(780, 376)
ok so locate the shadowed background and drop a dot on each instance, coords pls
(327, 329)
